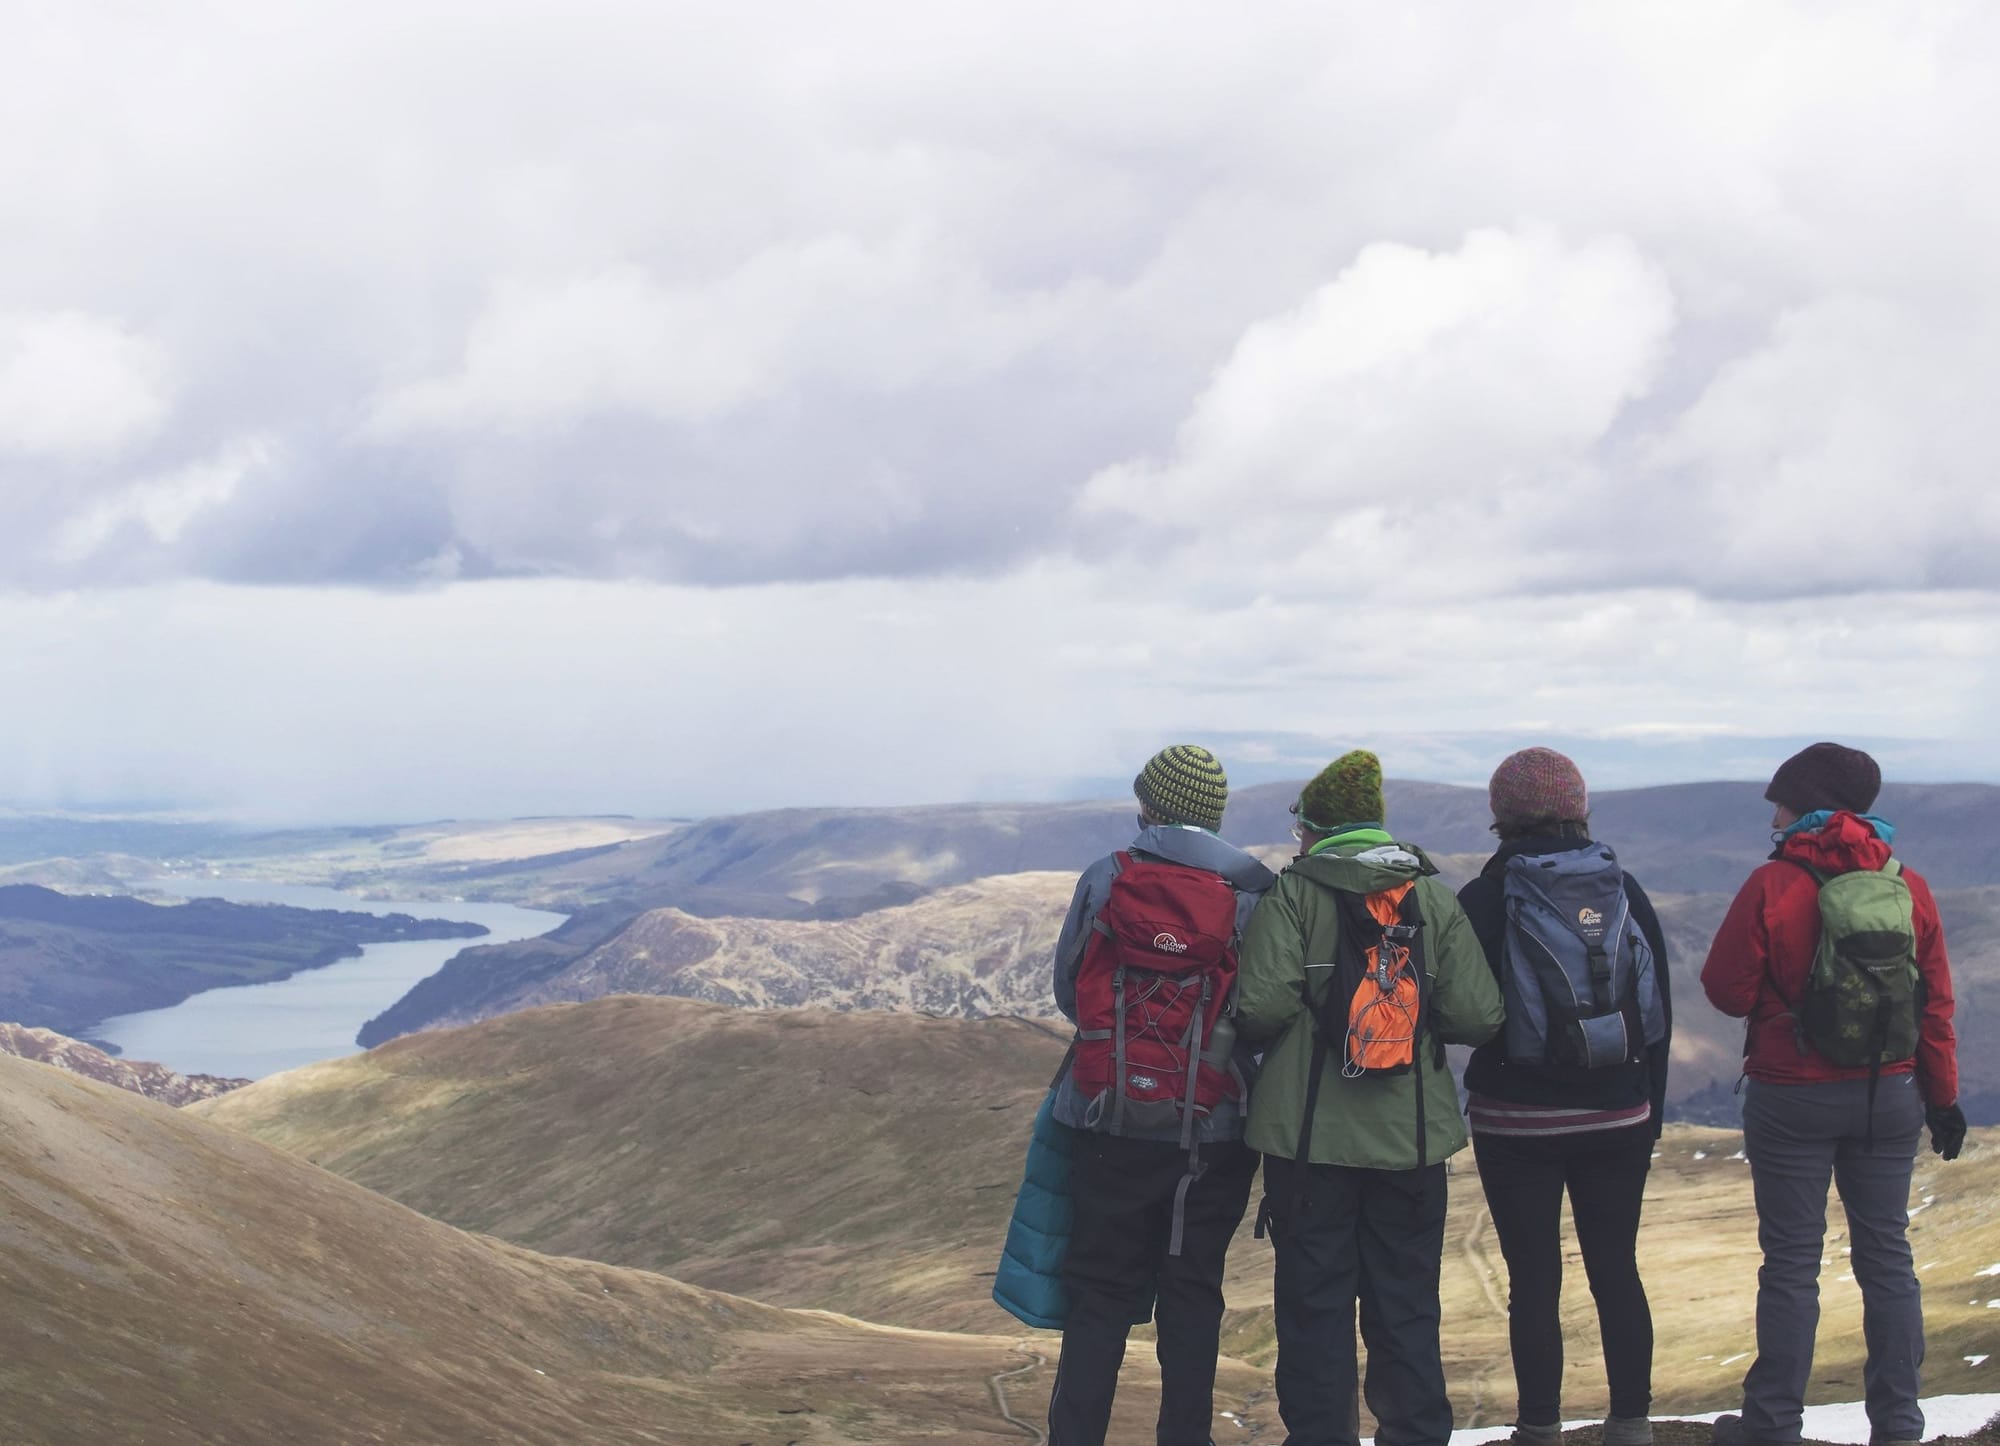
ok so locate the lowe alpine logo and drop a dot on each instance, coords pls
(1590, 918)
(1167, 944)
(1142, 1082)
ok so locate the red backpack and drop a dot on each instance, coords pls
(1154, 979)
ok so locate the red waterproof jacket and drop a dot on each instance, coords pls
(1769, 938)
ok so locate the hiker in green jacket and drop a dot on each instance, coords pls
(1358, 968)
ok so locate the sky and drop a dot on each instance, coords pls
(451, 409)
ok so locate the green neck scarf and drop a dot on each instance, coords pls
(1365, 833)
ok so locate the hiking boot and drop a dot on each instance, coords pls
(1527, 1435)
(1729, 1430)
(1628, 1431)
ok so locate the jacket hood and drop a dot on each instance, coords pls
(1844, 843)
(1364, 868)
(1198, 848)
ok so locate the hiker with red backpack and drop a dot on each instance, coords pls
(1154, 1089)
(1358, 968)
(1834, 953)
(1570, 1096)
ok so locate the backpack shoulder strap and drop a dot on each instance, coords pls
(1818, 877)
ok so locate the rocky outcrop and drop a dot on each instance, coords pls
(978, 950)
(154, 1081)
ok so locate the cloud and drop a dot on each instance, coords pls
(1407, 413)
(829, 312)
(162, 507)
(516, 696)
(770, 293)
(75, 386)
(1455, 366)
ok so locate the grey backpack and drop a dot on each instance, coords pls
(1579, 981)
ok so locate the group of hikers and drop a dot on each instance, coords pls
(1225, 1015)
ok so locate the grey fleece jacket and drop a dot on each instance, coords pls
(1174, 844)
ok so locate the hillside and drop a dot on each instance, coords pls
(983, 949)
(167, 1281)
(867, 1163)
(154, 1081)
(743, 1151)
(68, 961)
(976, 950)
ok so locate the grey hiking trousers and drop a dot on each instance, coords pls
(1796, 1137)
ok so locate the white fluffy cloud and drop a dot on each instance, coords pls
(75, 386)
(1398, 423)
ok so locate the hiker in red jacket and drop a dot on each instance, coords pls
(1808, 1117)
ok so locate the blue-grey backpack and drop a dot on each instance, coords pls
(1578, 979)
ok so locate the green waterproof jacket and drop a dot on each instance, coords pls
(1368, 1122)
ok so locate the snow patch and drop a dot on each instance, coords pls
(1846, 1423)
(1701, 1154)
(1990, 1270)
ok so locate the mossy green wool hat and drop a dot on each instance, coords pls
(1347, 791)
(1184, 784)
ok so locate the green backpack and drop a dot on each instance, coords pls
(1861, 1002)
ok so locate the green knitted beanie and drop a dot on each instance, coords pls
(1347, 791)
(1184, 784)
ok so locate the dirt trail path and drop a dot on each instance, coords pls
(998, 1383)
(1483, 1269)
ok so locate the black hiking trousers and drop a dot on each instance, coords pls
(1370, 1236)
(1124, 1198)
(1604, 1172)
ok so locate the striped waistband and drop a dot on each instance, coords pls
(1489, 1116)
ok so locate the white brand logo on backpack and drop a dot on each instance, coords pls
(1168, 944)
(1142, 1082)
(1590, 918)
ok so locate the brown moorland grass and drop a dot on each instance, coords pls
(166, 1281)
(866, 1163)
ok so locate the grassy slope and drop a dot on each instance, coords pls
(867, 1163)
(167, 1281)
(853, 1162)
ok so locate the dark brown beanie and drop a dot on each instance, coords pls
(1828, 776)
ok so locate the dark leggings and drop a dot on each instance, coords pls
(1605, 1173)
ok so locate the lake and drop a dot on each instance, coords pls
(253, 1030)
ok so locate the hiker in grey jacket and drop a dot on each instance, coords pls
(1149, 1221)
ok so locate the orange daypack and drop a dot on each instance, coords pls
(1383, 1013)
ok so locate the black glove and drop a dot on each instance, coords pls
(1947, 1124)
